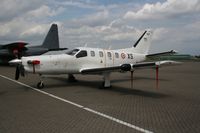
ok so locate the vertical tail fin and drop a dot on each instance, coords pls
(51, 41)
(143, 43)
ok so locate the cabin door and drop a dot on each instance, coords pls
(109, 58)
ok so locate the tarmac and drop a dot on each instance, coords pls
(83, 107)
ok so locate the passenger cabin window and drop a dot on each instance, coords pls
(72, 52)
(82, 53)
(116, 55)
(100, 53)
(92, 53)
(109, 54)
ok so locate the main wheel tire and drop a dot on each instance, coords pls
(40, 85)
(103, 86)
(71, 78)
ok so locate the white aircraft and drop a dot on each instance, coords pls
(84, 60)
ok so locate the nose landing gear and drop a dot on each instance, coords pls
(40, 84)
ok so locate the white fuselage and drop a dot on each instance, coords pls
(81, 58)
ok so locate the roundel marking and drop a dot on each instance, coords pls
(123, 55)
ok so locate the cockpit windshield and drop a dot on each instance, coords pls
(72, 52)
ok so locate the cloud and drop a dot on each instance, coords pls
(28, 21)
(175, 24)
(168, 9)
(36, 29)
(44, 11)
(94, 19)
(10, 9)
(101, 24)
(183, 39)
(119, 36)
(20, 29)
(85, 5)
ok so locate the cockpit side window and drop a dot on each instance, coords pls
(72, 52)
(82, 53)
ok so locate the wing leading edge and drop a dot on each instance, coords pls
(129, 67)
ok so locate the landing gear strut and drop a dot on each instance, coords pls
(106, 83)
(40, 85)
(71, 78)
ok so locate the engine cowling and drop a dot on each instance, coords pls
(126, 67)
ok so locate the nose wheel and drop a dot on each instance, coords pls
(40, 85)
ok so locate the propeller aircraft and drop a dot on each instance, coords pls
(85, 60)
(18, 49)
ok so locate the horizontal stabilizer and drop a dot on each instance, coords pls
(161, 54)
(58, 49)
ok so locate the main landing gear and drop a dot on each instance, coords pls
(106, 82)
(71, 78)
(40, 85)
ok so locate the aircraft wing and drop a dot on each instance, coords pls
(100, 70)
(129, 67)
(14, 45)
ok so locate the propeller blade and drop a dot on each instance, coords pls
(17, 73)
(22, 70)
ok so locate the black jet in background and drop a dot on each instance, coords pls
(19, 49)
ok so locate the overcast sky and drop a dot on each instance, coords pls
(104, 23)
